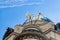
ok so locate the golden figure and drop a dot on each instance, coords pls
(38, 17)
(29, 16)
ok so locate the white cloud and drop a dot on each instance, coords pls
(11, 1)
(15, 3)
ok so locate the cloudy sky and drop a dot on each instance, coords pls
(13, 12)
(15, 3)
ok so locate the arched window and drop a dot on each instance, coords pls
(32, 29)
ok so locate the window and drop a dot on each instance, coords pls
(32, 29)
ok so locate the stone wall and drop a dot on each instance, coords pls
(53, 35)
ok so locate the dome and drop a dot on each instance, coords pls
(46, 19)
(58, 25)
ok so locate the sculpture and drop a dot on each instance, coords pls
(30, 18)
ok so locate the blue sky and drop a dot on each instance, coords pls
(13, 12)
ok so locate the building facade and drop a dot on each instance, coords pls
(40, 28)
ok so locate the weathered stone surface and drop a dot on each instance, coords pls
(41, 29)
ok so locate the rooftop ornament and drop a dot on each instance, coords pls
(30, 17)
(38, 17)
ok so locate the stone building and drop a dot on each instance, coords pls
(40, 28)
